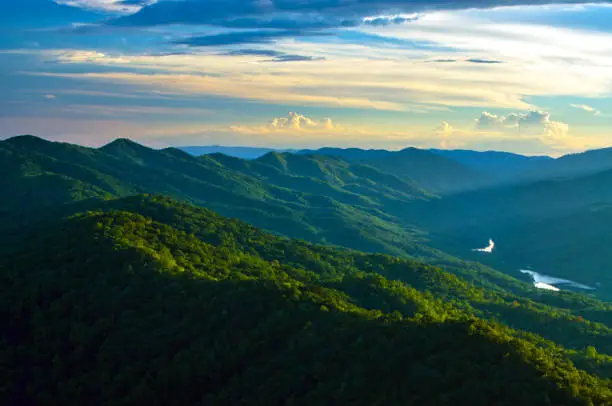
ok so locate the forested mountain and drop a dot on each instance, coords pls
(461, 170)
(501, 166)
(571, 165)
(558, 226)
(238, 152)
(432, 171)
(146, 300)
(548, 225)
(322, 199)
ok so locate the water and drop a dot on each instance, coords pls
(547, 282)
(488, 249)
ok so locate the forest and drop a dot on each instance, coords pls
(148, 300)
(132, 275)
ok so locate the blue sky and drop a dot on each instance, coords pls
(532, 78)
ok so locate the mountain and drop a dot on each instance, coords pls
(461, 170)
(558, 226)
(331, 200)
(502, 165)
(435, 173)
(571, 165)
(238, 152)
(322, 199)
(147, 300)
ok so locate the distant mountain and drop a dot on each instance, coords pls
(560, 226)
(584, 163)
(501, 165)
(238, 152)
(321, 199)
(144, 300)
(432, 171)
(334, 200)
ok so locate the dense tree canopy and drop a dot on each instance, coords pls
(146, 300)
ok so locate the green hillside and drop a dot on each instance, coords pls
(557, 226)
(320, 199)
(326, 199)
(146, 300)
(436, 173)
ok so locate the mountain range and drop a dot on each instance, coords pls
(135, 275)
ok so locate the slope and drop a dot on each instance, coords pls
(502, 166)
(435, 173)
(559, 226)
(237, 151)
(118, 308)
(321, 200)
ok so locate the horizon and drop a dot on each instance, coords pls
(493, 76)
(290, 150)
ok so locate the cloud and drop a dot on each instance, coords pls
(299, 122)
(535, 123)
(254, 52)
(295, 58)
(445, 131)
(490, 121)
(49, 96)
(276, 56)
(304, 13)
(484, 61)
(586, 108)
(242, 37)
(389, 20)
(140, 3)
(112, 6)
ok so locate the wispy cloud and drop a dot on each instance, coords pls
(586, 108)
(485, 61)
(112, 6)
(284, 14)
(242, 37)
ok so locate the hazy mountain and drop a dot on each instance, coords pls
(238, 152)
(573, 165)
(558, 226)
(433, 172)
(500, 165)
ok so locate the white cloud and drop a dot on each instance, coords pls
(49, 96)
(299, 122)
(586, 108)
(445, 132)
(113, 6)
(532, 124)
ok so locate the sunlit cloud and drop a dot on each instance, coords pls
(389, 77)
(113, 6)
(586, 108)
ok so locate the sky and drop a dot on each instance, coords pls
(530, 77)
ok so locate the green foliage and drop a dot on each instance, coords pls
(147, 300)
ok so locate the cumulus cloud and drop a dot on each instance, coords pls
(534, 123)
(445, 131)
(299, 122)
(586, 108)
